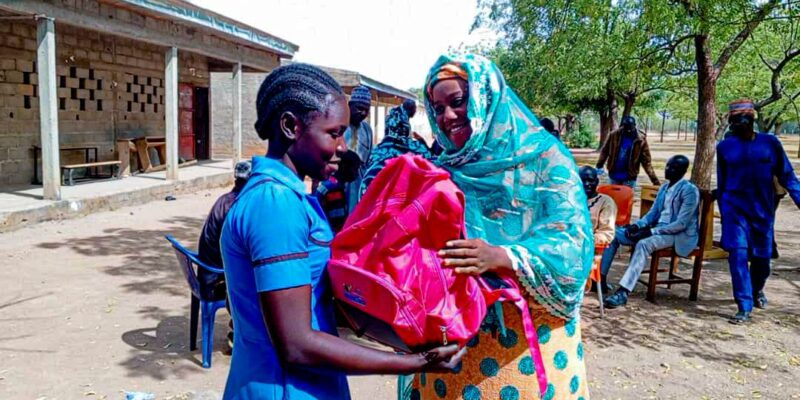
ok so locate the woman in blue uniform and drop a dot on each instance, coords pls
(275, 245)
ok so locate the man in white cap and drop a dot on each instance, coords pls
(358, 137)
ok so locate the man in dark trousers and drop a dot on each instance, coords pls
(212, 285)
(747, 163)
(626, 151)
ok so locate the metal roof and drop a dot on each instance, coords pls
(351, 79)
(190, 13)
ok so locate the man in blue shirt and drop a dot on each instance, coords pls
(746, 164)
(332, 192)
(625, 152)
(358, 137)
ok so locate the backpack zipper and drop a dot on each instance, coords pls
(444, 335)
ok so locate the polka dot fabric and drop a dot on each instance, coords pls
(501, 367)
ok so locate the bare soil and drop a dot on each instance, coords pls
(93, 307)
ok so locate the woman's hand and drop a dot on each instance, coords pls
(474, 257)
(443, 359)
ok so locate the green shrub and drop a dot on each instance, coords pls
(581, 138)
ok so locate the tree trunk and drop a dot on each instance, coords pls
(680, 121)
(629, 99)
(704, 167)
(765, 122)
(569, 122)
(721, 129)
(663, 119)
(608, 115)
(778, 128)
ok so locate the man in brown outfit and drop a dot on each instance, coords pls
(626, 151)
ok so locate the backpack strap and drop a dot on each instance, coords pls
(533, 343)
(255, 185)
(510, 291)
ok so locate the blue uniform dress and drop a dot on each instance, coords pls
(276, 237)
(745, 170)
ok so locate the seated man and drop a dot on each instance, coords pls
(672, 222)
(603, 211)
(332, 193)
(212, 285)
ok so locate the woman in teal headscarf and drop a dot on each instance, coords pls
(397, 141)
(526, 215)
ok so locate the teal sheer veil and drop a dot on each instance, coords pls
(522, 186)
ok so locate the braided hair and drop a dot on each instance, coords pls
(297, 88)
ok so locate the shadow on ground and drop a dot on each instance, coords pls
(146, 257)
(147, 262)
(156, 351)
(699, 329)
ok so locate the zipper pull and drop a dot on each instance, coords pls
(444, 335)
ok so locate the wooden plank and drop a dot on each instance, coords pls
(142, 154)
(649, 194)
(91, 164)
(124, 156)
(715, 253)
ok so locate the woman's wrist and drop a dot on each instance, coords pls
(504, 262)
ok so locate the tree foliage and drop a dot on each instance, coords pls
(684, 57)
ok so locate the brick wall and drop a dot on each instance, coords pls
(222, 112)
(108, 87)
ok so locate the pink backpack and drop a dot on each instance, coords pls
(388, 279)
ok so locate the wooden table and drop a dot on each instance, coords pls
(38, 150)
(141, 146)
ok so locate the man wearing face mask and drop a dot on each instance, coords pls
(626, 151)
(358, 137)
(671, 222)
(746, 164)
(602, 210)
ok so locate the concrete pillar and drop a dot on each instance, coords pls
(380, 122)
(171, 111)
(237, 113)
(48, 107)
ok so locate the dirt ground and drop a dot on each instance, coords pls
(93, 307)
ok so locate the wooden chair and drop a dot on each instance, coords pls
(705, 233)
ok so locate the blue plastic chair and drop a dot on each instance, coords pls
(209, 307)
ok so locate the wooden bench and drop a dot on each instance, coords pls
(67, 171)
(705, 235)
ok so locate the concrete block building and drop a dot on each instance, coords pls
(85, 73)
(384, 97)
